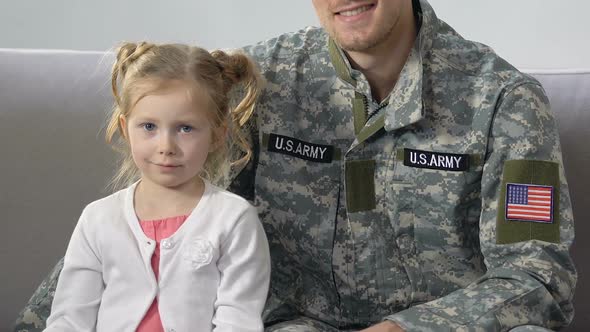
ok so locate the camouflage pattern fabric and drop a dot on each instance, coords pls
(358, 236)
(419, 247)
(34, 315)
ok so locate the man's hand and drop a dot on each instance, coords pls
(386, 326)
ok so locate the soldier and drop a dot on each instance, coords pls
(407, 179)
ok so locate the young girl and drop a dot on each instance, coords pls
(171, 252)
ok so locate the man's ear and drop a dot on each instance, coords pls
(123, 126)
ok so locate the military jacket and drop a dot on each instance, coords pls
(395, 209)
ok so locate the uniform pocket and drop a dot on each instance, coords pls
(360, 185)
(297, 201)
(401, 199)
(446, 235)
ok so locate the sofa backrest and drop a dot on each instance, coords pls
(569, 93)
(54, 160)
(53, 106)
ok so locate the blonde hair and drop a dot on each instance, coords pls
(144, 68)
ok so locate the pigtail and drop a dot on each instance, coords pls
(127, 54)
(239, 70)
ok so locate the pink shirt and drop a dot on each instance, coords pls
(157, 230)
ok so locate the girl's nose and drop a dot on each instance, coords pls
(167, 145)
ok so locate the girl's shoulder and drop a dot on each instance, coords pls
(224, 197)
(228, 208)
(229, 214)
(109, 206)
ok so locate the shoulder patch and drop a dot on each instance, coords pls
(528, 205)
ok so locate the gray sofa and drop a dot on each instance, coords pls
(53, 106)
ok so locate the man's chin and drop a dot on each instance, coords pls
(356, 43)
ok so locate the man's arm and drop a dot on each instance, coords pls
(530, 276)
(34, 315)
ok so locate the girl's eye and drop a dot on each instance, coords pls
(186, 129)
(149, 126)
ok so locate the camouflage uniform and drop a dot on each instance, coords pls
(359, 232)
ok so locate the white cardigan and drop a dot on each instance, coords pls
(214, 271)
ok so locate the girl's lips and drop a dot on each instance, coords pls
(167, 167)
(164, 164)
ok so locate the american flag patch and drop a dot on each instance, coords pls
(527, 202)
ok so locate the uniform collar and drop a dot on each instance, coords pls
(405, 105)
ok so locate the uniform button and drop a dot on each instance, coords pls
(167, 244)
(406, 244)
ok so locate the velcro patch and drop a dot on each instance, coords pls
(293, 147)
(436, 160)
(525, 202)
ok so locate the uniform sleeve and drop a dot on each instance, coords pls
(245, 275)
(529, 281)
(34, 315)
(80, 285)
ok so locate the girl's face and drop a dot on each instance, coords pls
(170, 137)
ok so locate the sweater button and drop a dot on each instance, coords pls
(167, 244)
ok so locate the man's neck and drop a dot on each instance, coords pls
(382, 64)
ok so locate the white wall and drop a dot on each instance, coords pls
(98, 25)
(532, 34)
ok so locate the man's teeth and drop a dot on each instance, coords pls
(355, 11)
